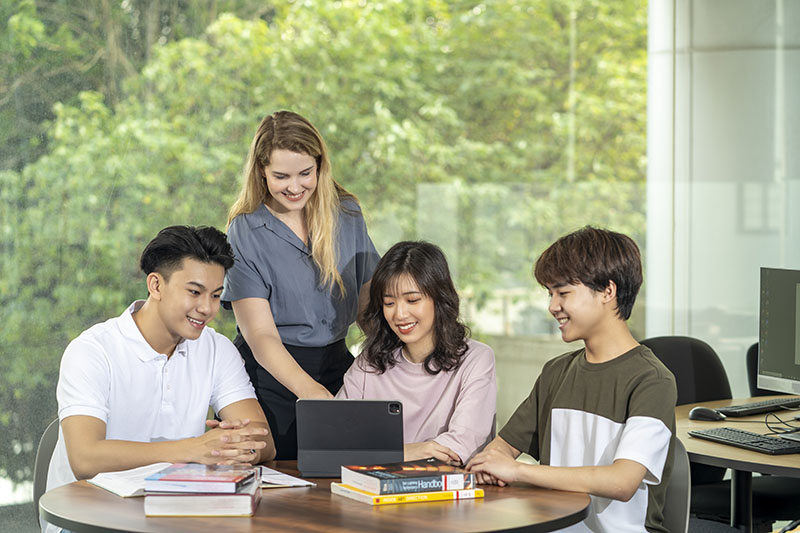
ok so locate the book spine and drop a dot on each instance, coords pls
(428, 496)
(361, 481)
(191, 486)
(427, 483)
(203, 504)
(375, 499)
(254, 501)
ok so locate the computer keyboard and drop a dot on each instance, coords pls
(748, 440)
(755, 408)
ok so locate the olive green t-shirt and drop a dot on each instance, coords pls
(585, 414)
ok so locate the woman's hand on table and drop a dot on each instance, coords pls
(430, 448)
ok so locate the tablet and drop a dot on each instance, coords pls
(332, 433)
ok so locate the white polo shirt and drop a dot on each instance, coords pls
(110, 372)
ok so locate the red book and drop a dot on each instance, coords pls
(197, 478)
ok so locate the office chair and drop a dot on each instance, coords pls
(752, 373)
(43, 454)
(677, 502)
(699, 377)
(699, 374)
(679, 491)
(774, 497)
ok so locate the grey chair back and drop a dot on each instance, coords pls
(699, 377)
(43, 454)
(699, 374)
(679, 491)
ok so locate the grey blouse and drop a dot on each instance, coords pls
(273, 263)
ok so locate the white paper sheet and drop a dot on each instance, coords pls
(275, 479)
(127, 483)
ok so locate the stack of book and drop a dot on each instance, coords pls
(189, 489)
(408, 482)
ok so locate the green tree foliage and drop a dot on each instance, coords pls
(53, 49)
(489, 127)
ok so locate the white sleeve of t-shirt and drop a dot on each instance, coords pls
(231, 382)
(84, 380)
(645, 440)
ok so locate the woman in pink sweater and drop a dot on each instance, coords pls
(417, 351)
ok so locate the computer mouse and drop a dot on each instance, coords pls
(705, 413)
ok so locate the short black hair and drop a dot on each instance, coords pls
(166, 252)
(594, 256)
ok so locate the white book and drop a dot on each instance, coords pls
(127, 483)
(243, 502)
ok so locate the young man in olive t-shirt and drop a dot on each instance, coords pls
(606, 411)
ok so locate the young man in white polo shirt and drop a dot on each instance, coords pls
(136, 389)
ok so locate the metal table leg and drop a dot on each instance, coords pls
(742, 500)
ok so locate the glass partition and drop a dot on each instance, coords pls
(723, 175)
(490, 128)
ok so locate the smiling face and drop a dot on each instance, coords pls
(291, 180)
(188, 299)
(578, 309)
(410, 314)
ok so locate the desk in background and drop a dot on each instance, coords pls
(83, 507)
(742, 462)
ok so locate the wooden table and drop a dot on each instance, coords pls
(742, 462)
(83, 507)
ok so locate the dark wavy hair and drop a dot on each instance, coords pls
(425, 263)
(166, 252)
(594, 256)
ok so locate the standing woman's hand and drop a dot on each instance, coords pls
(255, 321)
(317, 392)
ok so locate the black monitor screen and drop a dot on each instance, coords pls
(779, 331)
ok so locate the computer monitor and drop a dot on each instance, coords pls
(779, 331)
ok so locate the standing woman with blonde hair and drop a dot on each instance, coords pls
(303, 264)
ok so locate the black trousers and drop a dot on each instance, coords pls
(326, 365)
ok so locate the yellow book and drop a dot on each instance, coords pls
(383, 499)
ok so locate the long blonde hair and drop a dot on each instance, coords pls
(285, 130)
